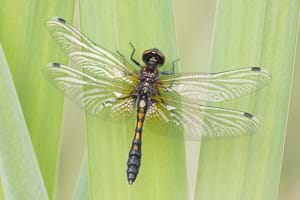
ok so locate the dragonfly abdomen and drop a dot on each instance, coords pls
(135, 154)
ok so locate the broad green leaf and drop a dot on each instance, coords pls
(19, 171)
(147, 24)
(29, 48)
(251, 33)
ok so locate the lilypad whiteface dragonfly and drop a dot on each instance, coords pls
(103, 81)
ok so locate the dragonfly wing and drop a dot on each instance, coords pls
(93, 58)
(214, 87)
(200, 120)
(98, 79)
(95, 95)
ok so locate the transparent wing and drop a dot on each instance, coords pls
(94, 59)
(95, 95)
(214, 87)
(200, 120)
(98, 79)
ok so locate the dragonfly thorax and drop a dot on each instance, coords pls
(148, 74)
(146, 81)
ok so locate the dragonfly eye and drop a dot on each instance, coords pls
(153, 55)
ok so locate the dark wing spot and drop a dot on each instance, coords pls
(55, 64)
(248, 115)
(256, 69)
(61, 20)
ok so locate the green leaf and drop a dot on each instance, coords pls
(19, 170)
(251, 33)
(146, 24)
(28, 49)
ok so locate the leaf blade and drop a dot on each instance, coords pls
(162, 175)
(19, 170)
(251, 33)
(28, 49)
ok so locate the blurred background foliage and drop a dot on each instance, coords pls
(194, 27)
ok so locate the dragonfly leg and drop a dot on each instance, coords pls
(122, 56)
(173, 68)
(166, 89)
(174, 64)
(132, 55)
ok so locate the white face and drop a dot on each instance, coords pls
(153, 59)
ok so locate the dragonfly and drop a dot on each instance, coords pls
(103, 81)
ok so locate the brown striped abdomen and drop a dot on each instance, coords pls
(135, 154)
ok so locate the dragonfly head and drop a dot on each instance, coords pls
(153, 58)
